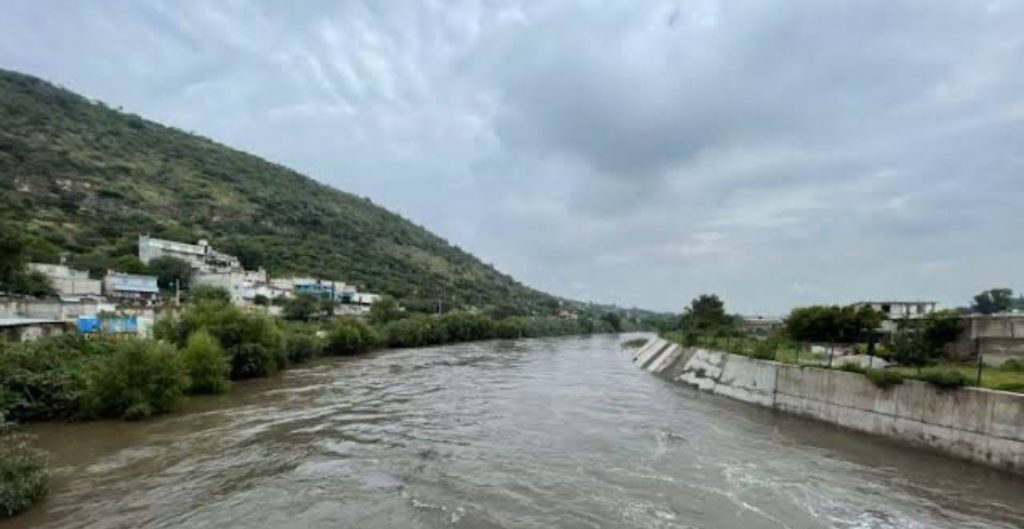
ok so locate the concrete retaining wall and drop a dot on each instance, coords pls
(981, 425)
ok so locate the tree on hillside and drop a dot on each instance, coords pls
(129, 264)
(12, 255)
(14, 274)
(993, 301)
(169, 270)
(705, 313)
(208, 293)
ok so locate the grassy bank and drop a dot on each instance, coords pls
(1007, 377)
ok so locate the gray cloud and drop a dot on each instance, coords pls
(775, 152)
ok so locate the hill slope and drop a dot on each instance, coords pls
(79, 177)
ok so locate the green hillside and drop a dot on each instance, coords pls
(79, 177)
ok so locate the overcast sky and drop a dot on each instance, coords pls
(775, 152)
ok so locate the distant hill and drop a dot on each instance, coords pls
(79, 177)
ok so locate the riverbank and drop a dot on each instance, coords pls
(979, 425)
(551, 432)
(200, 351)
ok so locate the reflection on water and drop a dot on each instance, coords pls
(534, 433)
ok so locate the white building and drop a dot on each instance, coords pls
(243, 285)
(365, 298)
(201, 256)
(68, 282)
(899, 312)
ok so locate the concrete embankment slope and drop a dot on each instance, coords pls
(981, 425)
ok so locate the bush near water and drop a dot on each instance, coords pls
(201, 348)
(22, 473)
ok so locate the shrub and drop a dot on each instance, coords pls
(1013, 365)
(883, 378)
(252, 360)
(22, 474)
(302, 347)
(349, 336)
(47, 379)
(853, 368)
(208, 293)
(910, 349)
(764, 349)
(207, 364)
(303, 307)
(253, 341)
(142, 378)
(944, 378)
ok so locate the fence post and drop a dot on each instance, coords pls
(831, 351)
(981, 364)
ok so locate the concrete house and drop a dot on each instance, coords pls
(996, 337)
(130, 287)
(68, 282)
(201, 256)
(901, 310)
(898, 313)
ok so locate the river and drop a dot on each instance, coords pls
(542, 433)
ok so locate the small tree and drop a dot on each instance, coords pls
(384, 310)
(208, 293)
(206, 363)
(832, 324)
(613, 320)
(993, 301)
(170, 270)
(12, 256)
(302, 307)
(706, 313)
(14, 275)
(942, 328)
(129, 264)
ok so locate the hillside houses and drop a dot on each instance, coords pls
(247, 287)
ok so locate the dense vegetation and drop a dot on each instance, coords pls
(22, 472)
(79, 177)
(832, 324)
(201, 348)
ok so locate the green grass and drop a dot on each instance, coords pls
(991, 377)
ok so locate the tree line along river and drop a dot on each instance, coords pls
(560, 432)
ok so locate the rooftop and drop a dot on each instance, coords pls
(21, 322)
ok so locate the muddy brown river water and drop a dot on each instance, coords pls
(542, 433)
